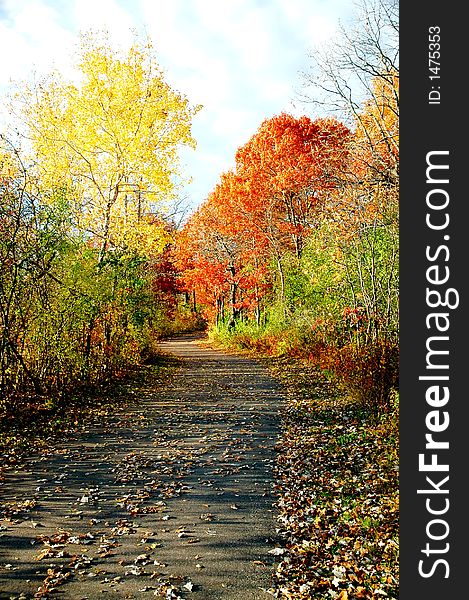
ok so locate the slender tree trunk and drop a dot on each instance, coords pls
(233, 296)
(218, 318)
(34, 380)
(281, 275)
(194, 303)
(257, 310)
(107, 224)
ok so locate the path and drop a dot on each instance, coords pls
(176, 496)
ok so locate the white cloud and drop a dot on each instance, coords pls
(313, 22)
(240, 27)
(230, 123)
(33, 40)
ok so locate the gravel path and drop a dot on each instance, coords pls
(172, 499)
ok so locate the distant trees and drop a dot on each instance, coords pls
(311, 208)
(265, 208)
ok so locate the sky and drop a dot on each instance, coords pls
(240, 59)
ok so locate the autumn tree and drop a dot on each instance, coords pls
(212, 255)
(108, 143)
(364, 215)
(356, 75)
(203, 277)
(111, 140)
(83, 219)
(261, 211)
(357, 70)
(376, 142)
(223, 238)
(288, 168)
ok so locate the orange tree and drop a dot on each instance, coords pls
(221, 259)
(288, 168)
(262, 211)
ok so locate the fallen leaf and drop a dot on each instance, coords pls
(141, 558)
(43, 554)
(277, 551)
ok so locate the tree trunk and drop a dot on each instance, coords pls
(282, 284)
(257, 310)
(194, 303)
(233, 293)
(34, 380)
(107, 224)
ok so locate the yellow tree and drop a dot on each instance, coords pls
(111, 141)
(377, 132)
(365, 211)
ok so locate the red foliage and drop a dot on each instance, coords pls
(370, 371)
(260, 211)
(166, 284)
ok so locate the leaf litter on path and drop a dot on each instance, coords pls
(337, 489)
(111, 496)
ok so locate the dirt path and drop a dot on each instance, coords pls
(172, 500)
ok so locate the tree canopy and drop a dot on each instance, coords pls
(111, 140)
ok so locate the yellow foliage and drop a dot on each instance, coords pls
(8, 165)
(378, 125)
(111, 141)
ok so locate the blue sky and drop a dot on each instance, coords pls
(240, 59)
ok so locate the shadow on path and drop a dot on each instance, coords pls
(174, 496)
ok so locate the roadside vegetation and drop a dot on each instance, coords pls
(293, 258)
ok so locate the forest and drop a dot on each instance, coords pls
(294, 251)
(292, 258)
